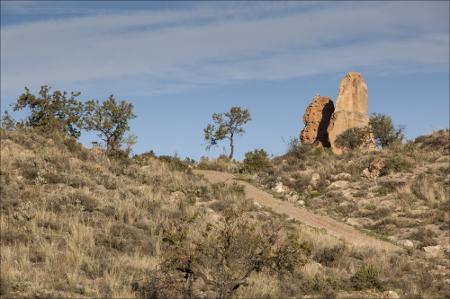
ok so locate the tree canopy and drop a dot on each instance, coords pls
(52, 111)
(111, 119)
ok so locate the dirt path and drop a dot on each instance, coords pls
(333, 227)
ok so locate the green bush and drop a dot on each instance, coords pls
(383, 130)
(395, 163)
(366, 278)
(352, 138)
(255, 161)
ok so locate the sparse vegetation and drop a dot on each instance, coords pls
(366, 277)
(75, 223)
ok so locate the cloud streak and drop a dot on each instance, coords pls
(170, 51)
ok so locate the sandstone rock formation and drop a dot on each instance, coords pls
(351, 109)
(317, 117)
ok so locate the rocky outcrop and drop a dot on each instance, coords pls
(351, 109)
(324, 122)
(317, 118)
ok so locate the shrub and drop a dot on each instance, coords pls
(256, 161)
(383, 130)
(297, 149)
(424, 236)
(243, 246)
(365, 278)
(427, 189)
(352, 138)
(174, 163)
(328, 256)
(394, 164)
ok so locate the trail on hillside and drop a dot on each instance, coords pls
(333, 227)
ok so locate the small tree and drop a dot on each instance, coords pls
(8, 123)
(226, 126)
(352, 138)
(383, 130)
(110, 119)
(52, 111)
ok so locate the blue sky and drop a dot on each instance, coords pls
(179, 62)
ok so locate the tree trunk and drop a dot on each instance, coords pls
(231, 147)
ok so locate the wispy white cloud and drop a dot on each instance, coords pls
(160, 51)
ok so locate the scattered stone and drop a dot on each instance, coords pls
(338, 185)
(280, 188)
(315, 178)
(316, 119)
(432, 251)
(390, 295)
(343, 176)
(351, 108)
(257, 204)
(177, 196)
(301, 202)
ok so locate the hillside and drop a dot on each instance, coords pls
(75, 223)
(405, 199)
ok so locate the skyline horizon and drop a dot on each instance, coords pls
(178, 63)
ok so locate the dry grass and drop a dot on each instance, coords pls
(76, 224)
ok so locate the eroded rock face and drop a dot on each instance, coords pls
(317, 118)
(351, 109)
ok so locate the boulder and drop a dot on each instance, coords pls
(351, 109)
(406, 243)
(316, 119)
(375, 168)
(280, 188)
